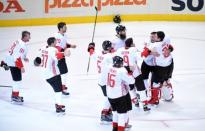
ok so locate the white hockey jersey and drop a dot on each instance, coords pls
(49, 62)
(103, 61)
(18, 50)
(131, 58)
(149, 60)
(118, 43)
(117, 82)
(167, 40)
(165, 58)
(61, 40)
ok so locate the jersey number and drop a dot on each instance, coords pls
(44, 61)
(111, 80)
(126, 60)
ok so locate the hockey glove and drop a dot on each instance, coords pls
(145, 52)
(59, 55)
(19, 63)
(37, 61)
(91, 48)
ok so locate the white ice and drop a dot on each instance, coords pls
(83, 106)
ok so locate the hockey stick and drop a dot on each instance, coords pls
(88, 67)
(6, 86)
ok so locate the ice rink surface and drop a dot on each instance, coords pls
(83, 106)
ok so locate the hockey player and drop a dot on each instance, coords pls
(62, 44)
(120, 37)
(14, 58)
(131, 60)
(118, 93)
(148, 62)
(103, 59)
(166, 88)
(162, 70)
(48, 61)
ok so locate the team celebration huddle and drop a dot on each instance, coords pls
(128, 76)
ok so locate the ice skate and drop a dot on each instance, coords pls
(106, 119)
(17, 100)
(4, 65)
(65, 90)
(60, 109)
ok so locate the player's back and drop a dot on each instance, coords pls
(164, 58)
(17, 50)
(129, 55)
(99, 57)
(103, 62)
(49, 62)
(118, 81)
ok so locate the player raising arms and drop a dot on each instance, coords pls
(103, 59)
(48, 61)
(14, 58)
(61, 45)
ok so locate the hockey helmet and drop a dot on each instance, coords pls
(120, 28)
(117, 19)
(106, 45)
(117, 61)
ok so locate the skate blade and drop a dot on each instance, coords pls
(16, 103)
(147, 112)
(65, 96)
(127, 128)
(140, 109)
(170, 100)
(105, 122)
(61, 114)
